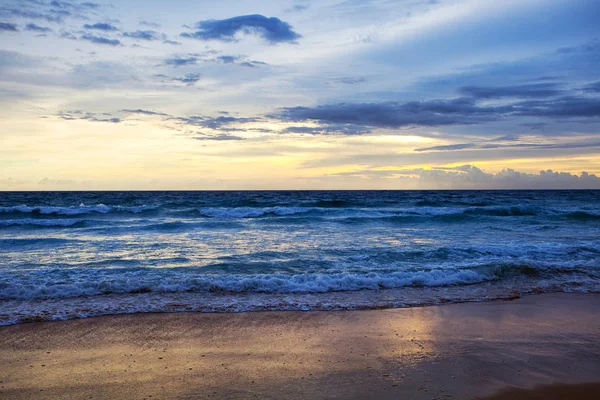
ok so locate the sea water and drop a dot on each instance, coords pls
(76, 254)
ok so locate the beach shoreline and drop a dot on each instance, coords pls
(454, 351)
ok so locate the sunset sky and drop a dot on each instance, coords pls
(333, 94)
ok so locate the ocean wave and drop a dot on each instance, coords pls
(252, 212)
(583, 216)
(135, 282)
(42, 223)
(75, 210)
(45, 285)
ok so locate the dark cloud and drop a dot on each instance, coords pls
(447, 112)
(170, 42)
(101, 40)
(101, 26)
(5, 26)
(535, 90)
(592, 87)
(393, 114)
(273, 30)
(145, 35)
(564, 107)
(37, 28)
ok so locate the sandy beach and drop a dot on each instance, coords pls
(537, 347)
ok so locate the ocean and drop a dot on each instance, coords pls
(70, 255)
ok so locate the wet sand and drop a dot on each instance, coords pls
(536, 347)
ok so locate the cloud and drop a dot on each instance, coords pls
(393, 114)
(150, 24)
(179, 61)
(50, 16)
(217, 123)
(101, 27)
(145, 35)
(53, 11)
(88, 116)
(37, 28)
(472, 177)
(535, 90)
(189, 79)
(328, 130)
(564, 107)
(101, 40)
(252, 64)
(141, 111)
(448, 112)
(72, 5)
(228, 59)
(592, 87)
(348, 80)
(7, 27)
(508, 143)
(460, 146)
(209, 57)
(272, 30)
(222, 136)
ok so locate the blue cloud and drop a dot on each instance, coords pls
(5, 26)
(273, 30)
(592, 87)
(88, 116)
(37, 28)
(228, 59)
(443, 112)
(150, 24)
(189, 79)
(101, 40)
(144, 112)
(181, 61)
(72, 5)
(100, 26)
(145, 35)
(222, 136)
(547, 89)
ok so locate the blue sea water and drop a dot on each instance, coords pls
(77, 254)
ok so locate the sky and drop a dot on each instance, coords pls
(299, 94)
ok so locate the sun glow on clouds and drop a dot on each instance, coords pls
(344, 95)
